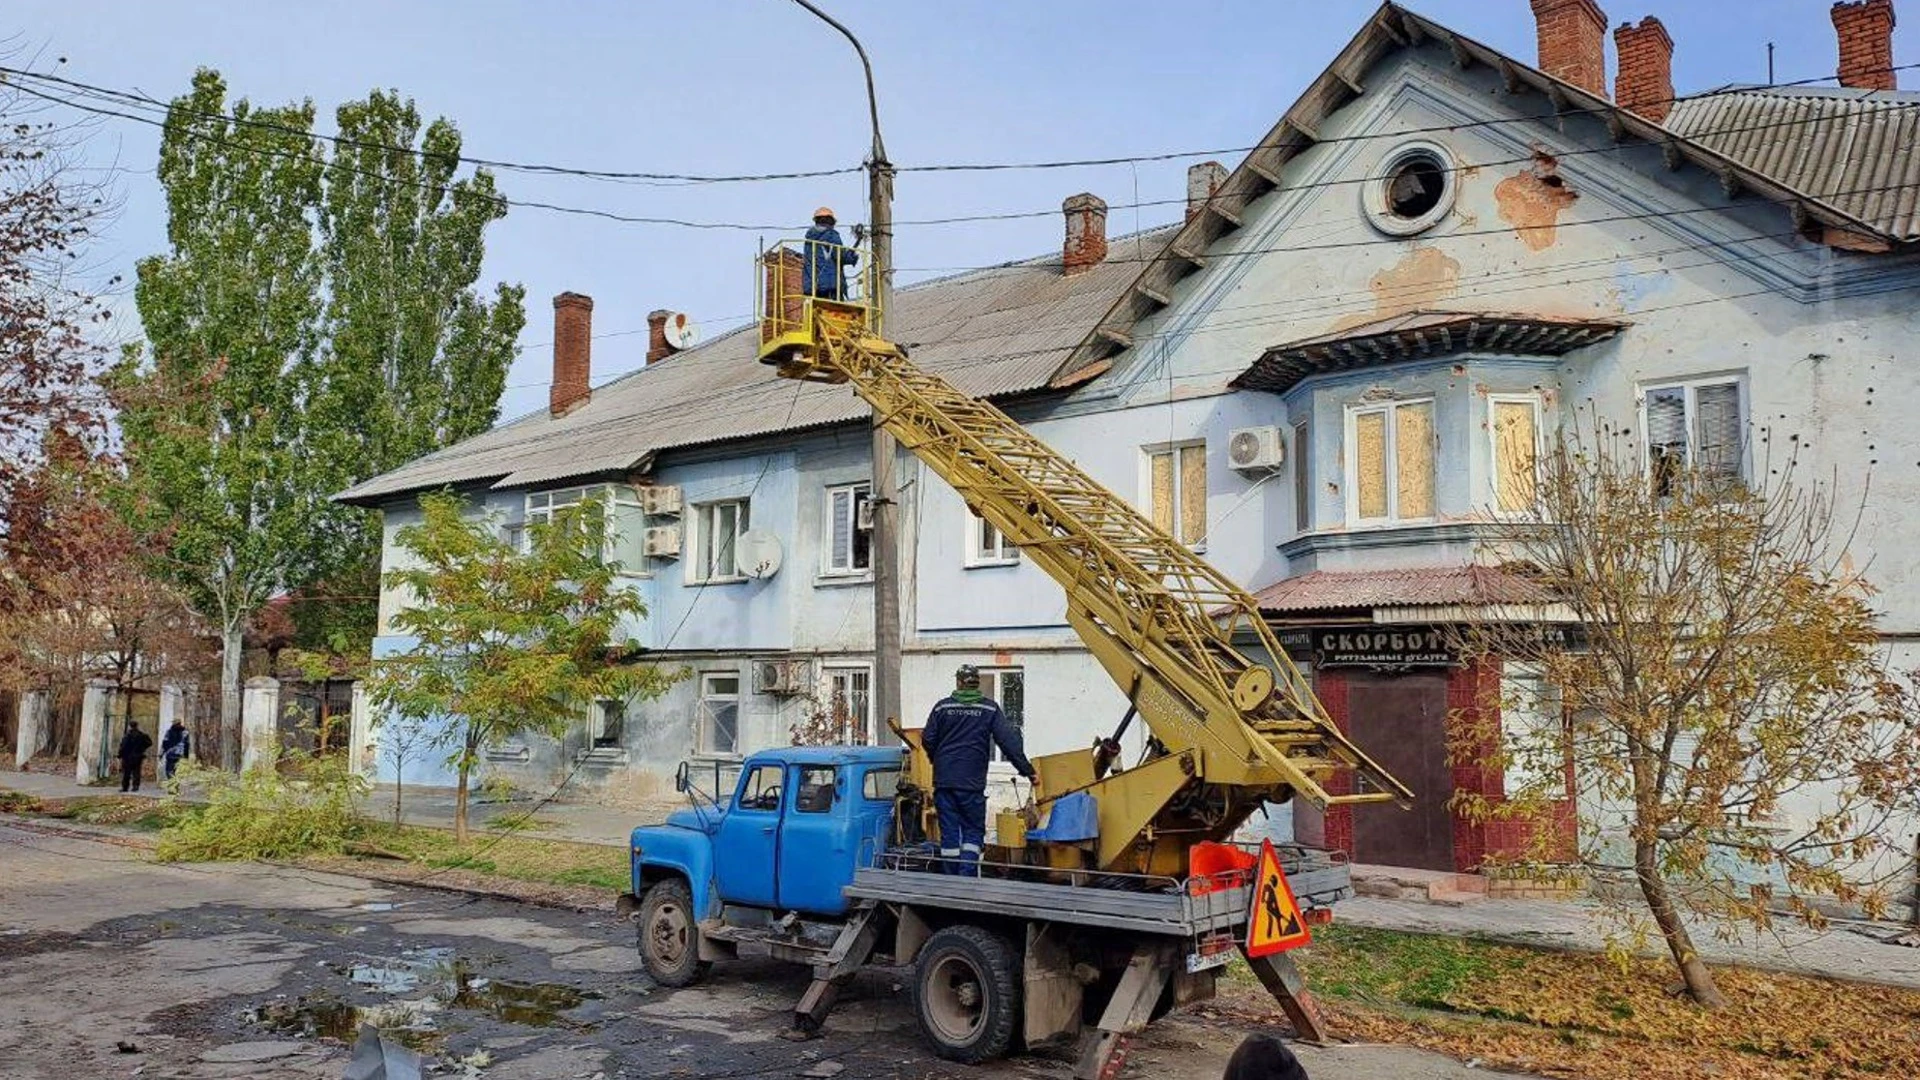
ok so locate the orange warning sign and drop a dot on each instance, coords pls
(1273, 917)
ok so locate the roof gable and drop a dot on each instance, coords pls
(1392, 28)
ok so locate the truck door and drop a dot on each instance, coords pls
(818, 844)
(746, 859)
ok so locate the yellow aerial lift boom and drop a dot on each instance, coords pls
(1186, 644)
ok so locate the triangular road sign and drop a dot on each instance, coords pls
(1273, 916)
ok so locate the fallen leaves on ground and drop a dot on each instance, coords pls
(1578, 1015)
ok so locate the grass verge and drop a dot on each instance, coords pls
(1576, 1014)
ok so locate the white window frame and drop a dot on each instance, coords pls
(1690, 388)
(703, 735)
(1001, 553)
(1391, 455)
(991, 686)
(833, 670)
(1147, 454)
(699, 523)
(1494, 401)
(539, 506)
(831, 565)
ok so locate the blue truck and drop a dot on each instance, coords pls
(804, 861)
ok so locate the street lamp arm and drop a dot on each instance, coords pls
(873, 102)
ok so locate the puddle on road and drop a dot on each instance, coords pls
(444, 980)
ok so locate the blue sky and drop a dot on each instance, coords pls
(758, 86)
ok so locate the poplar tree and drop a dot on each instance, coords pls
(314, 322)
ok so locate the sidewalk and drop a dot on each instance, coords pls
(429, 806)
(1850, 951)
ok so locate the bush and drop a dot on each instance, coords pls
(265, 814)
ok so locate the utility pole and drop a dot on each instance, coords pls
(883, 701)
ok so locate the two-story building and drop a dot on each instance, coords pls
(1438, 251)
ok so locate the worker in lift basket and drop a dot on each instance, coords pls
(821, 274)
(956, 739)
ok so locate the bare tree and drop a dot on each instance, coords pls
(1724, 708)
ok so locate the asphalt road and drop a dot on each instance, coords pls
(113, 966)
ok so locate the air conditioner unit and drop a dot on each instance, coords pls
(1256, 449)
(863, 516)
(781, 677)
(660, 500)
(663, 542)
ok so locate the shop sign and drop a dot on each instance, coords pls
(1379, 647)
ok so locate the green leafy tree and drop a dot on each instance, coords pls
(314, 323)
(413, 357)
(507, 642)
(212, 411)
(1737, 745)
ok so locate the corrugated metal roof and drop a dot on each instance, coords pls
(992, 333)
(1853, 149)
(1421, 335)
(1438, 586)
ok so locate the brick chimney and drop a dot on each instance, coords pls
(1086, 244)
(1643, 80)
(658, 347)
(1865, 28)
(572, 353)
(1203, 182)
(1573, 42)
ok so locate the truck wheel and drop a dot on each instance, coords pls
(669, 939)
(967, 986)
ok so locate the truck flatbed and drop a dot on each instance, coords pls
(1172, 912)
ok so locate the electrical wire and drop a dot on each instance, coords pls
(130, 99)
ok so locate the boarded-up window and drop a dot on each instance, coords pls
(1515, 433)
(1177, 491)
(1697, 424)
(1390, 461)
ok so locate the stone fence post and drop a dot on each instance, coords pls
(93, 751)
(259, 720)
(31, 730)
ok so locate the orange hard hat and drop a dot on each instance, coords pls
(825, 212)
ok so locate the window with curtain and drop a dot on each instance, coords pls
(1697, 424)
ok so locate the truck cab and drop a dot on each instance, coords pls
(797, 825)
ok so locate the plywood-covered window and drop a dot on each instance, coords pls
(1390, 450)
(1177, 491)
(1513, 430)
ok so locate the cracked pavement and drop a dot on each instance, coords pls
(249, 970)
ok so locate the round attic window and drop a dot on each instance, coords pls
(1412, 189)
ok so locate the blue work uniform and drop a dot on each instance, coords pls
(826, 253)
(958, 736)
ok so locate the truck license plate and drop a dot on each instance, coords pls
(1210, 952)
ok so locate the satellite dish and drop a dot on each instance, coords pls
(757, 554)
(682, 332)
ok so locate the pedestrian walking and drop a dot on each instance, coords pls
(175, 745)
(133, 755)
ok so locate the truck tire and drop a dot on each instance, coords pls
(669, 935)
(966, 994)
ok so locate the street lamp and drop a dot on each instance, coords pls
(885, 702)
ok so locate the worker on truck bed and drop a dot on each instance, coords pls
(826, 253)
(956, 739)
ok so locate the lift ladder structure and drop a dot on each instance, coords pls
(1172, 631)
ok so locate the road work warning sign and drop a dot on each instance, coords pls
(1273, 917)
